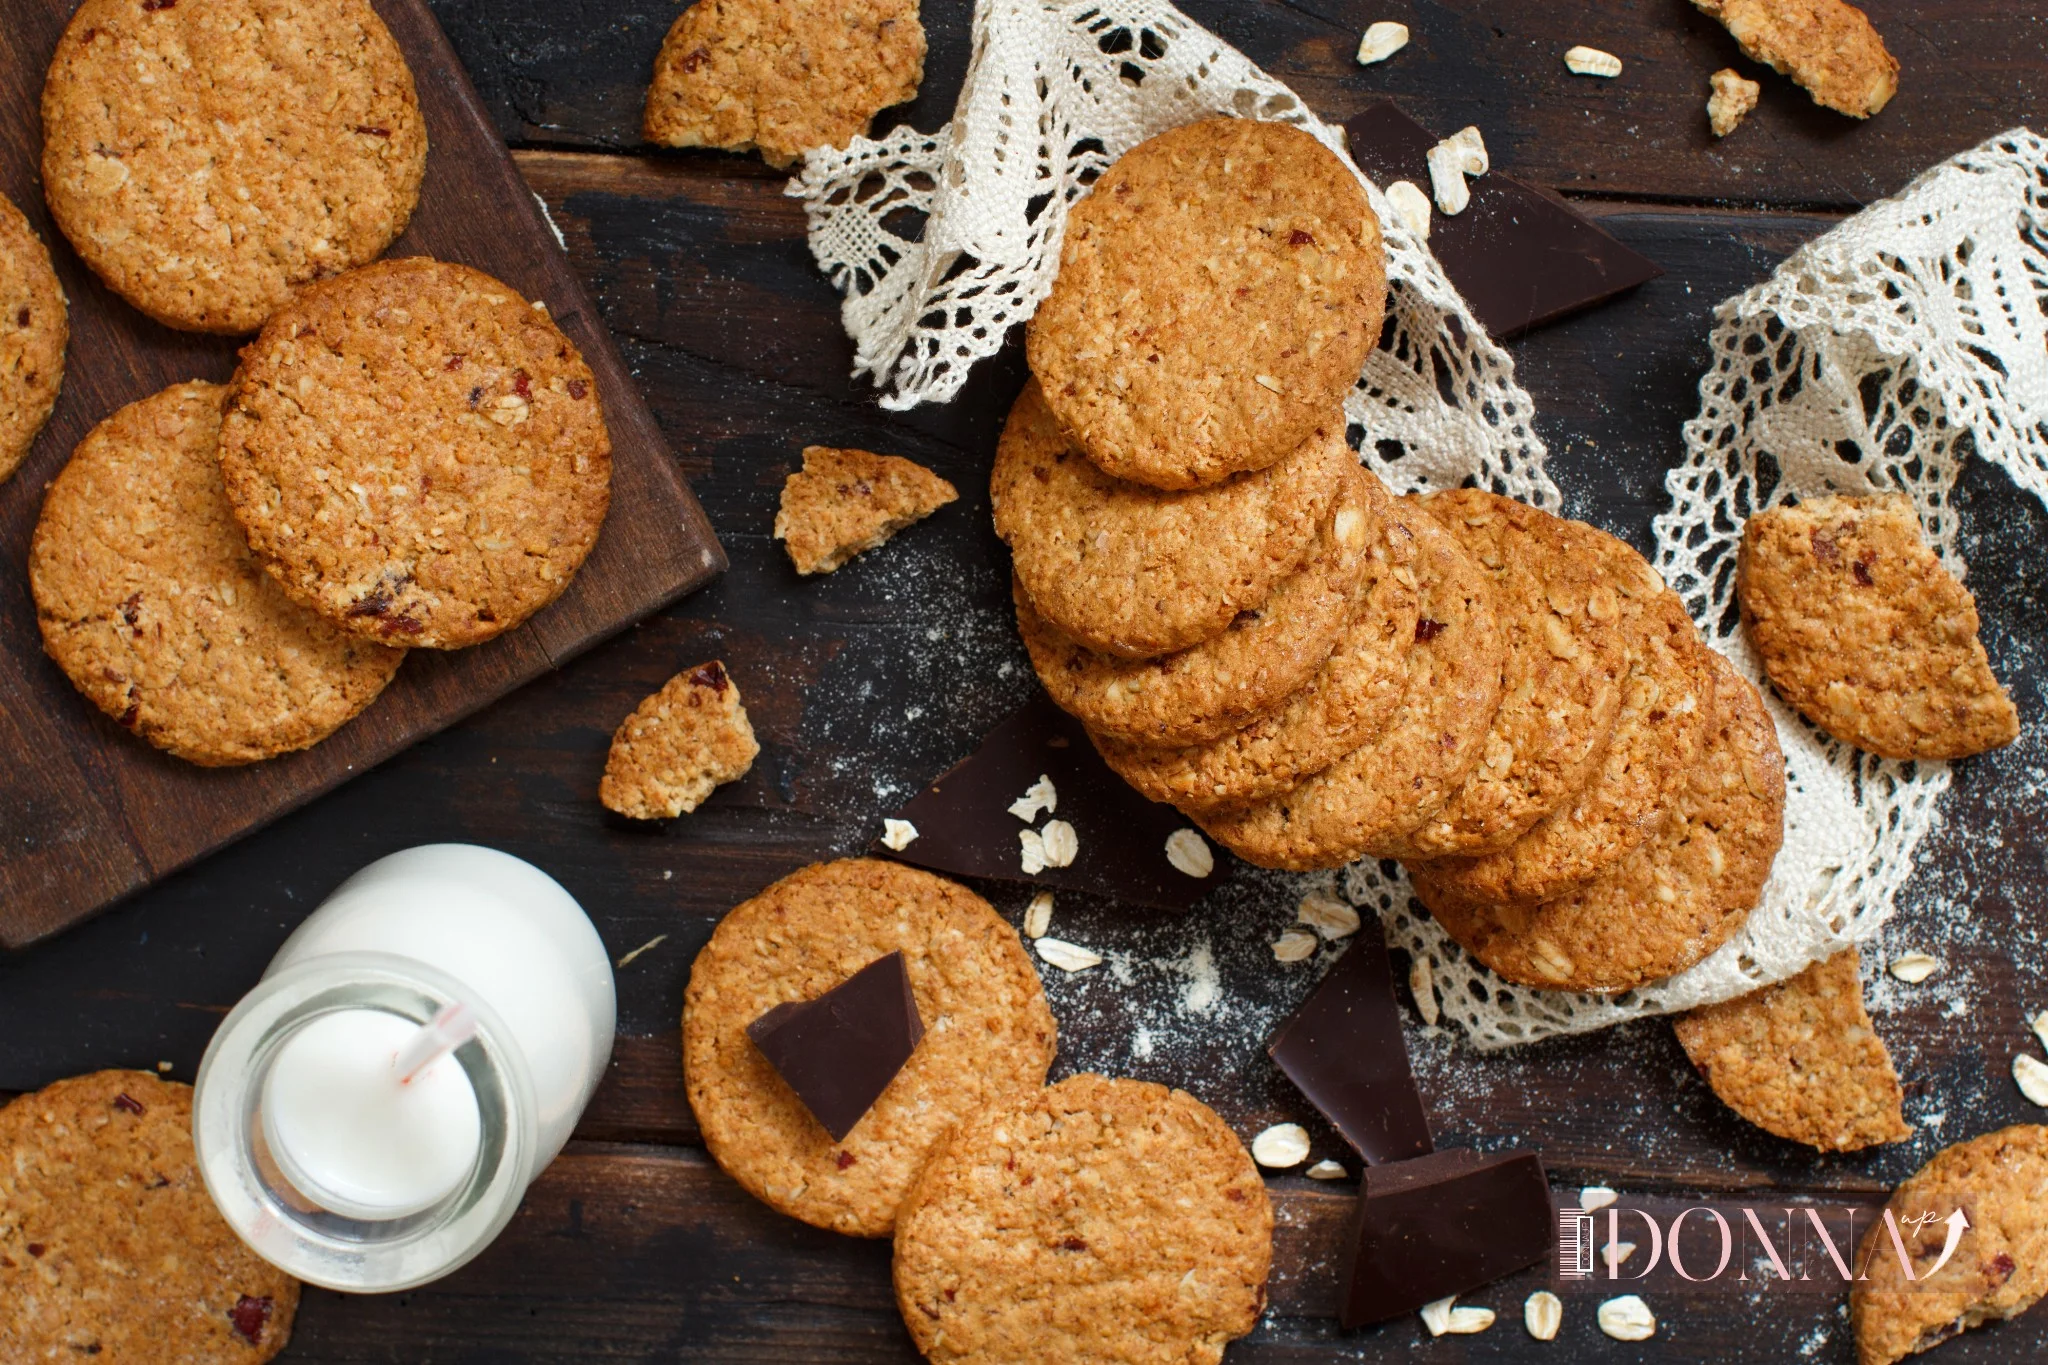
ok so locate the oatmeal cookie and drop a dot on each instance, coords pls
(1097, 1219)
(110, 1247)
(1138, 572)
(846, 501)
(1801, 1060)
(782, 76)
(417, 453)
(1827, 46)
(34, 329)
(1219, 289)
(208, 159)
(149, 600)
(988, 1033)
(1863, 631)
(1379, 792)
(678, 745)
(1227, 682)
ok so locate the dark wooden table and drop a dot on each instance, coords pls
(868, 683)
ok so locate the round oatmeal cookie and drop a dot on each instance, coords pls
(417, 453)
(34, 329)
(1999, 1268)
(151, 603)
(1225, 683)
(1350, 698)
(207, 159)
(1650, 755)
(1138, 572)
(1863, 631)
(1567, 657)
(1218, 292)
(1382, 790)
(1677, 896)
(988, 1033)
(1096, 1219)
(110, 1247)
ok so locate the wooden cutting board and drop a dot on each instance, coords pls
(88, 813)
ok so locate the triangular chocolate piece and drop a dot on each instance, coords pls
(839, 1051)
(1440, 1225)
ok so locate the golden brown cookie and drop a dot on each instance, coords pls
(1649, 758)
(1732, 96)
(1219, 289)
(845, 501)
(34, 329)
(988, 1033)
(1379, 792)
(417, 453)
(1999, 1268)
(1139, 572)
(208, 159)
(1095, 1220)
(1229, 681)
(110, 1248)
(151, 603)
(1567, 658)
(1860, 627)
(1827, 46)
(782, 76)
(1350, 698)
(1675, 898)
(678, 745)
(1801, 1060)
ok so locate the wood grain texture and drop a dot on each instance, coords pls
(88, 813)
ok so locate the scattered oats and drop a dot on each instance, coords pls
(2032, 1076)
(646, 947)
(1325, 1170)
(165, 1067)
(1471, 150)
(1463, 1322)
(1295, 945)
(1382, 41)
(1281, 1146)
(1038, 915)
(1042, 797)
(1189, 853)
(1627, 1318)
(1543, 1314)
(897, 834)
(1423, 985)
(1411, 206)
(2040, 1027)
(1327, 914)
(1447, 180)
(1614, 1253)
(1032, 855)
(1591, 61)
(1059, 843)
(1914, 968)
(1437, 1316)
(1595, 1197)
(1068, 957)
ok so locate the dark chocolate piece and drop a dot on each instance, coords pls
(1520, 257)
(840, 1051)
(964, 825)
(1440, 1225)
(1344, 1048)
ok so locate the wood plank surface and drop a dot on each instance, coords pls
(87, 812)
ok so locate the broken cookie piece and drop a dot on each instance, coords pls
(1734, 95)
(1995, 1266)
(782, 76)
(678, 745)
(1827, 46)
(1801, 1060)
(847, 501)
(1860, 627)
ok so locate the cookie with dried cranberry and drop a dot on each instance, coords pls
(678, 746)
(34, 329)
(149, 600)
(417, 453)
(1829, 47)
(1094, 1220)
(208, 159)
(1218, 292)
(110, 1247)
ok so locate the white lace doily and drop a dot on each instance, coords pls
(940, 242)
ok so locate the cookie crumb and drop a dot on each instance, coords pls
(846, 501)
(1734, 95)
(678, 745)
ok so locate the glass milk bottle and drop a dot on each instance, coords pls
(369, 1117)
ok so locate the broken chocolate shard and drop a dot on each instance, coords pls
(1518, 256)
(839, 1051)
(1441, 1225)
(1344, 1049)
(965, 828)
